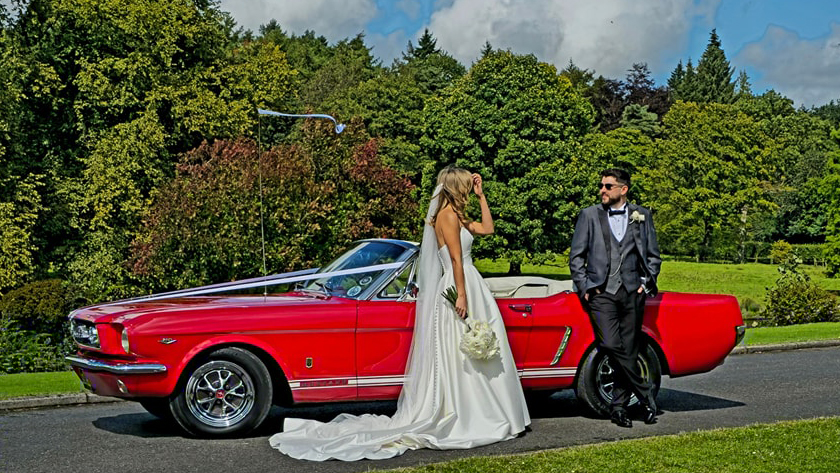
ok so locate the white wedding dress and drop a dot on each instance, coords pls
(448, 401)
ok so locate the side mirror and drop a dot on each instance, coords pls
(410, 291)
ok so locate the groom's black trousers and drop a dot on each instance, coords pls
(617, 320)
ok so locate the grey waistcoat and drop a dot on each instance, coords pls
(624, 257)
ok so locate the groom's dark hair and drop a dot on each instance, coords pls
(620, 175)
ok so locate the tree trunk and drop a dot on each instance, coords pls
(515, 269)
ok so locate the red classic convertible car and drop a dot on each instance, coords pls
(216, 363)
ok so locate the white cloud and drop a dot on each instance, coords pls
(805, 70)
(607, 36)
(389, 47)
(333, 20)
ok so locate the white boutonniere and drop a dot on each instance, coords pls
(637, 217)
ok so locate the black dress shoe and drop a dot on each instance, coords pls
(619, 418)
(649, 412)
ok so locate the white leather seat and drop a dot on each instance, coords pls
(523, 287)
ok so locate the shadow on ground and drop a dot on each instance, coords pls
(541, 405)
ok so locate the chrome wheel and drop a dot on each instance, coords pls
(220, 393)
(596, 380)
(604, 379)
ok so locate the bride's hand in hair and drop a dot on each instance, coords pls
(479, 191)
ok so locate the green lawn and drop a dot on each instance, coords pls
(39, 384)
(744, 281)
(801, 446)
(792, 333)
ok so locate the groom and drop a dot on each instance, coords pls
(614, 261)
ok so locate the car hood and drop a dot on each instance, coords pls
(127, 312)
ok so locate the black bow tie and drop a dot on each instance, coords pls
(617, 212)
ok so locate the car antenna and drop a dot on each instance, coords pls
(339, 127)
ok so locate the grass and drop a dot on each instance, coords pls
(799, 446)
(793, 333)
(744, 281)
(39, 384)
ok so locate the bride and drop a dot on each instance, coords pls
(448, 400)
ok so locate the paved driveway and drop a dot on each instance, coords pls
(122, 437)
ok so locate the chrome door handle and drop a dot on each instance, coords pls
(524, 308)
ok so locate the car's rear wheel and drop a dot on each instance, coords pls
(226, 393)
(157, 406)
(595, 379)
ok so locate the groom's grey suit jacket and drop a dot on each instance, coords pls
(589, 258)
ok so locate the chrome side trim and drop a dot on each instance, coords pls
(118, 368)
(562, 346)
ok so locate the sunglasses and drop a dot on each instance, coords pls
(609, 186)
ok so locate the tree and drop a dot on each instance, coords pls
(318, 196)
(710, 82)
(743, 87)
(637, 117)
(829, 112)
(17, 220)
(608, 99)
(708, 170)
(430, 67)
(515, 121)
(800, 160)
(640, 89)
(118, 89)
(581, 79)
(426, 46)
(351, 63)
(830, 184)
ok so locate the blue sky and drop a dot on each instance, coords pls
(790, 46)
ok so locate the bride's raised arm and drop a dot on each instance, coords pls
(485, 226)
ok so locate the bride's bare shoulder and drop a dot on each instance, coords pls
(447, 217)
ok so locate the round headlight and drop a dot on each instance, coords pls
(124, 340)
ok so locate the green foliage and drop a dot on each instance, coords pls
(351, 63)
(17, 222)
(432, 68)
(40, 306)
(204, 226)
(637, 117)
(830, 184)
(780, 251)
(829, 112)
(811, 253)
(711, 82)
(795, 299)
(515, 121)
(34, 335)
(24, 351)
(706, 178)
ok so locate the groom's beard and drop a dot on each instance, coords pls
(609, 201)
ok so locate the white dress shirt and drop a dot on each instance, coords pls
(618, 223)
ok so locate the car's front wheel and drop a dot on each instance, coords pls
(228, 392)
(596, 377)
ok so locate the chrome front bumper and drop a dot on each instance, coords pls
(740, 331)
(118, 368)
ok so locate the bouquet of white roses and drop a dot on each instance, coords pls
(479, 341)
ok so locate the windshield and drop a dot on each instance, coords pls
(366, 253)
